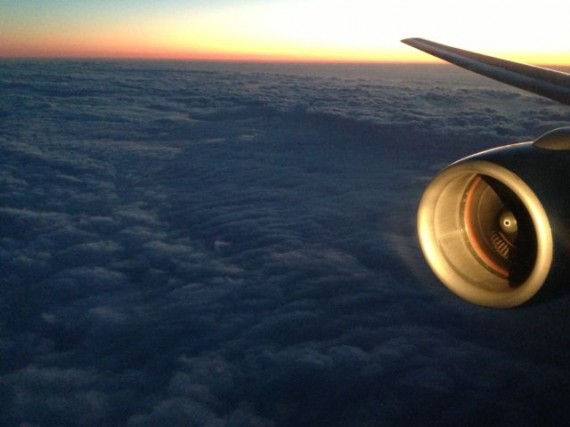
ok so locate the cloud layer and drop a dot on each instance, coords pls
(184, 244)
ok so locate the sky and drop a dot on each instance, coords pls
(281, 30)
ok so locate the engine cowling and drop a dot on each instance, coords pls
(494, 227)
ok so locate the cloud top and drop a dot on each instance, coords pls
(190, 245)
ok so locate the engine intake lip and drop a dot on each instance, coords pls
(446, 235)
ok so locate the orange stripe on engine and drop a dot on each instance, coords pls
(471, 235)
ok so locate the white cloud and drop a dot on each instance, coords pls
(150, 278)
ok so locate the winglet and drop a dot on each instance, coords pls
(541, 81)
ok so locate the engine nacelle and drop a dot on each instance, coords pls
(495, 226)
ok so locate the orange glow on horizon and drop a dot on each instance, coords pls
(127, 48)
(122, 45)
(365, 31)
(59, 47)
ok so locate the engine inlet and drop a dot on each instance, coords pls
(485, 234)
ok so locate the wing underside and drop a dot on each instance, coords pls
(541, 81)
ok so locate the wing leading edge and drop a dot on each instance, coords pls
(541, 81)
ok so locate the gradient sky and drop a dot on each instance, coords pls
(330, 30)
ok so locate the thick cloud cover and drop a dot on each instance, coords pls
(198, 244)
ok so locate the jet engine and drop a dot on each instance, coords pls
(494, 227)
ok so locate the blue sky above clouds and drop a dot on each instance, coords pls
(184, 244)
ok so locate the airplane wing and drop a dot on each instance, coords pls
(541, 81)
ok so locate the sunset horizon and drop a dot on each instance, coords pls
(284, 213)
(283, 31)
(398, 58)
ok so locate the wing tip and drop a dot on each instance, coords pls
(416, 42)
(408, 40)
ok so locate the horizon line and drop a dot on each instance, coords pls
(250, 60)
